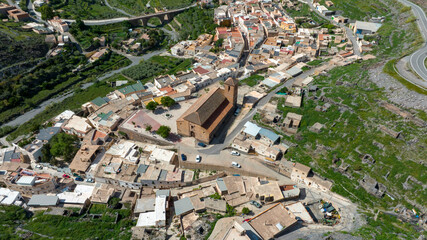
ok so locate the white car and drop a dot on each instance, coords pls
(234, 164)
(235, 153)
(198, 158)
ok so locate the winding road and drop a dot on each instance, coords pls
(417, 59)
(117, 9)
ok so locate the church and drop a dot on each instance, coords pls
(205, 117)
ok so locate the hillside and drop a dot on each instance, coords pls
(19, 46)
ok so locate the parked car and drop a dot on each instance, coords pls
(198, 158)
(237, 112)
(256, 204)
(235, 153)
(234, 164)
(79, 179)
(201, 144)
(183, 157)
(39, 166)
(90, 180)
(65, 176)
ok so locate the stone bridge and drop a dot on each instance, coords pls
(136, 21)
(163, 16)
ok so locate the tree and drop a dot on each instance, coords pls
(152, 105)
(148, 127)
(114, 202)
(164, 131)
(246, 210)
(230, 211)
(215, 196)
(47, 12)
(167, 101)
(80, 24)
(46, 156)
(64, 145)
(219, 43)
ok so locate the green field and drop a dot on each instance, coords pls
(252, 80)
(19, 46)
(114, 33)
(44, 226)
(305, 11)
(141, 72)
(57, 77)
(72, 103)
(170, 4)
(195, 21)
(157, 65)
(359, 10)
(84, 9)
(133, 7)
(351, 131)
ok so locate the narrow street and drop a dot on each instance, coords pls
(349, 32)
(217, 147)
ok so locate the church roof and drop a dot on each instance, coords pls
(205, 106)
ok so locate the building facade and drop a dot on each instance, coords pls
(203, 119)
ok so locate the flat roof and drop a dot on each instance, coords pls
(146, 219)
(145, 204)
(295, 101)
(164, 192)
(300, 212)
(269, 82)
(7, 196)
(302, 167)
(294, 71)
(183, 206)
(221, 184)
(251, 129)
(370, 26)
(43, 200)
(156, 217)
(26, 180)
(80, 195)
(272, 221)
(269, 134)
(162, 155)
(219, 205)
(142, 168)
(269, 190)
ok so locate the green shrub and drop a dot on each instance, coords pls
(163, 131)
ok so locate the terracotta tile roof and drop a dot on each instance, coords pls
(205, 106)
(200, 70)
(98, 134)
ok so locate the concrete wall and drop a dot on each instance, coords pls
(143, 138)
(227, 169)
